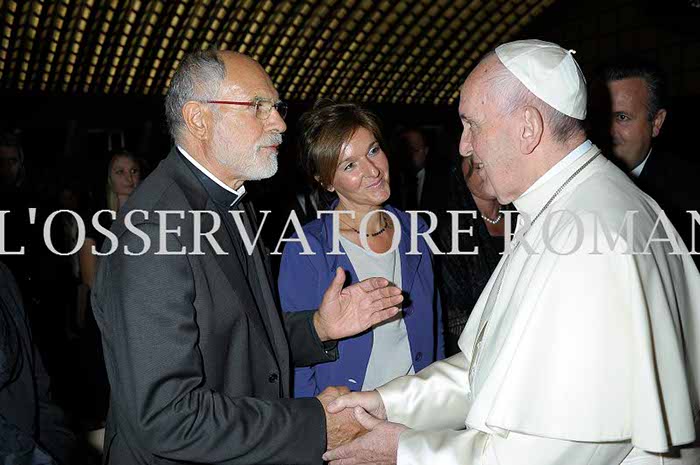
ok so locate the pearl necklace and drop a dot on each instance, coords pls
(496, 221)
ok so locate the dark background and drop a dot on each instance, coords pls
(67, 137)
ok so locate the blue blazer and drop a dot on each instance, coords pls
(304, 279)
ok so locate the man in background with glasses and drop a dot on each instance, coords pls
(196, 351)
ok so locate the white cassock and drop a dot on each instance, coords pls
(582, 358)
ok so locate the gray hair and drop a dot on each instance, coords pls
(197, 78)
(510, 95)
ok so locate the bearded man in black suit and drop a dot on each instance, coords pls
(197, 354)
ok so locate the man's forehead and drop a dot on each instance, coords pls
(630, 90)
(249, 88)
(413, 137)
(246, 78)
(633, 85)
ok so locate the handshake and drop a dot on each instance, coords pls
(357, 429)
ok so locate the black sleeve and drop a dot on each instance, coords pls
(307, 349)
(151, 339)
(53, 435)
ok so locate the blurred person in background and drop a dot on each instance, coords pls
(462, 277)
(33, 265)
(32, 427)
(123, 176)
(629, 107)
(421, 178)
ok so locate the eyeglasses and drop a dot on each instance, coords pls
(263, 106)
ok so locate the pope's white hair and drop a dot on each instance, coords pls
(510, 95)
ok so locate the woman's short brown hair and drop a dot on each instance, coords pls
(325, 129)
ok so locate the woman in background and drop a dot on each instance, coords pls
(462, 278)
(123, 176)
(342, 152)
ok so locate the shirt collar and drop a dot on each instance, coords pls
(640, 167)
(220, 192)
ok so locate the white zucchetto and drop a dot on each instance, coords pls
(548, 71)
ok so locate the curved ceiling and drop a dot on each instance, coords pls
(415, 51)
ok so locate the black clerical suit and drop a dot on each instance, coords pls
(196, 351)
(672, 182)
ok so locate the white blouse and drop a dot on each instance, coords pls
(391, 352)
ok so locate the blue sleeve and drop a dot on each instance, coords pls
(437, 302)
(440, 332)
(297, 284)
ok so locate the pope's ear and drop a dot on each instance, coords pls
(532, 129)
(197, 119)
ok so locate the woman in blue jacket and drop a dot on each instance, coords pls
(342, 151)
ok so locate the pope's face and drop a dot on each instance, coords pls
(244, 144)
(630, 128)
(486, 134)
(362, 176)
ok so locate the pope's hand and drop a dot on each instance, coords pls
(341, 426)
(379, 446)
(349, 311)
(370, 401)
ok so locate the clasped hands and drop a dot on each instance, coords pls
(357, 429)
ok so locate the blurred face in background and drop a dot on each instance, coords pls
(125, 175)
(362, 175)
(10, 165)
(416, 148)
(476, 178)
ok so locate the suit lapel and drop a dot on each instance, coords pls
(266, 302)
(232, 269)
(230, 264)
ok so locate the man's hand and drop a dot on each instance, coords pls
(370, 401)
(379, 446)
(349, 311)
(341, 427)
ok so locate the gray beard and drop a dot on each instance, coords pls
(251, 167)
(259, 169)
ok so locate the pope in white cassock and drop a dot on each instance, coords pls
(583, 348)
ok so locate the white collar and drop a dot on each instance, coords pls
(574, 155)
(239, 192)
(640, 167)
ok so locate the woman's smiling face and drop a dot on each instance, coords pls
(362, 174)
